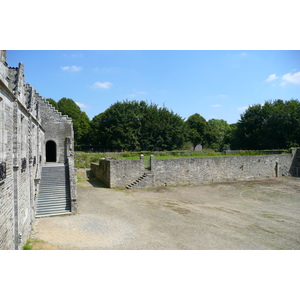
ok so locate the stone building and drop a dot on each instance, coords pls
(35, 139)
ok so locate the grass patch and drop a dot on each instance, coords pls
(84, 160)
(146, 160)
(28, 245)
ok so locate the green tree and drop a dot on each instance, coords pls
(218, 131)
(53, 103)
(81, 122)
(274, 125)
(230, 134)
(134, 125)
(85, 129)
(95, 136)
(162, 129)
(198, 130)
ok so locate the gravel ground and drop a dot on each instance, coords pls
(261, 214)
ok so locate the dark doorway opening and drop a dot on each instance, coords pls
(50, 151)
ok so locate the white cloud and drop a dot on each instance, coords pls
(216, 105)
(71, 68)
(243, 108)
(81, 105)
(136, 93)
(271, 77)
(102, 85)
(291, 78)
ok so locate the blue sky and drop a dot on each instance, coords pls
(217, 84)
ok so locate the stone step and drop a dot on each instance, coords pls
(54, 193)
(131, 185)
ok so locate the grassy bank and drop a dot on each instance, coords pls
(84, 159)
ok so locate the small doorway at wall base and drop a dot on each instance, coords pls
(50, 151)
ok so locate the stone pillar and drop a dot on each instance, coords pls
(151, 162)
(69, 160)
(17, 239)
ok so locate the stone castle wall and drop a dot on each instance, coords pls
(6, 167)
(27, 122)
(118, 173)
(192, 171)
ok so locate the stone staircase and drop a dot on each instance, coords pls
(54, 193)
(142, 182)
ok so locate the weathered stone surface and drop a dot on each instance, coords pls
(192, 171)
(118, 173)
(27, 122)
(189, 171)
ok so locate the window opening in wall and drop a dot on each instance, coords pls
(2, 171)
(23, 164)
(50, 151)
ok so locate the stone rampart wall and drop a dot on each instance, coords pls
(189, 171)
(118, 173)
(123, 172)
(102, 171)
(192, 171)
(6, 169)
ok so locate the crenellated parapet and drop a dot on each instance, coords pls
(56, 113)
(29, 96)
(17, 82)
(4, 79)
(3, 56)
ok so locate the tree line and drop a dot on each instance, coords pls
(141, 126)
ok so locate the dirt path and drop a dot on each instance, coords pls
(262, 214)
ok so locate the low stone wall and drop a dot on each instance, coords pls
(192, 171)
(118, 173)
(102, 171)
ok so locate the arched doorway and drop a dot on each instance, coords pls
(50, 151)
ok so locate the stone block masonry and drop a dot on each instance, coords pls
(193, 171)
(27, 123)
(118, 173)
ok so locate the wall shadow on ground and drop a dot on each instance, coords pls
(295, 167)
(94, 181)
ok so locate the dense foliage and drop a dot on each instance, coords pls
(139, 126)
(197, 130)
(133, 125)
(274, 125)
(219, 135)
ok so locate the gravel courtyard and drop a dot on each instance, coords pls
(261, 214)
